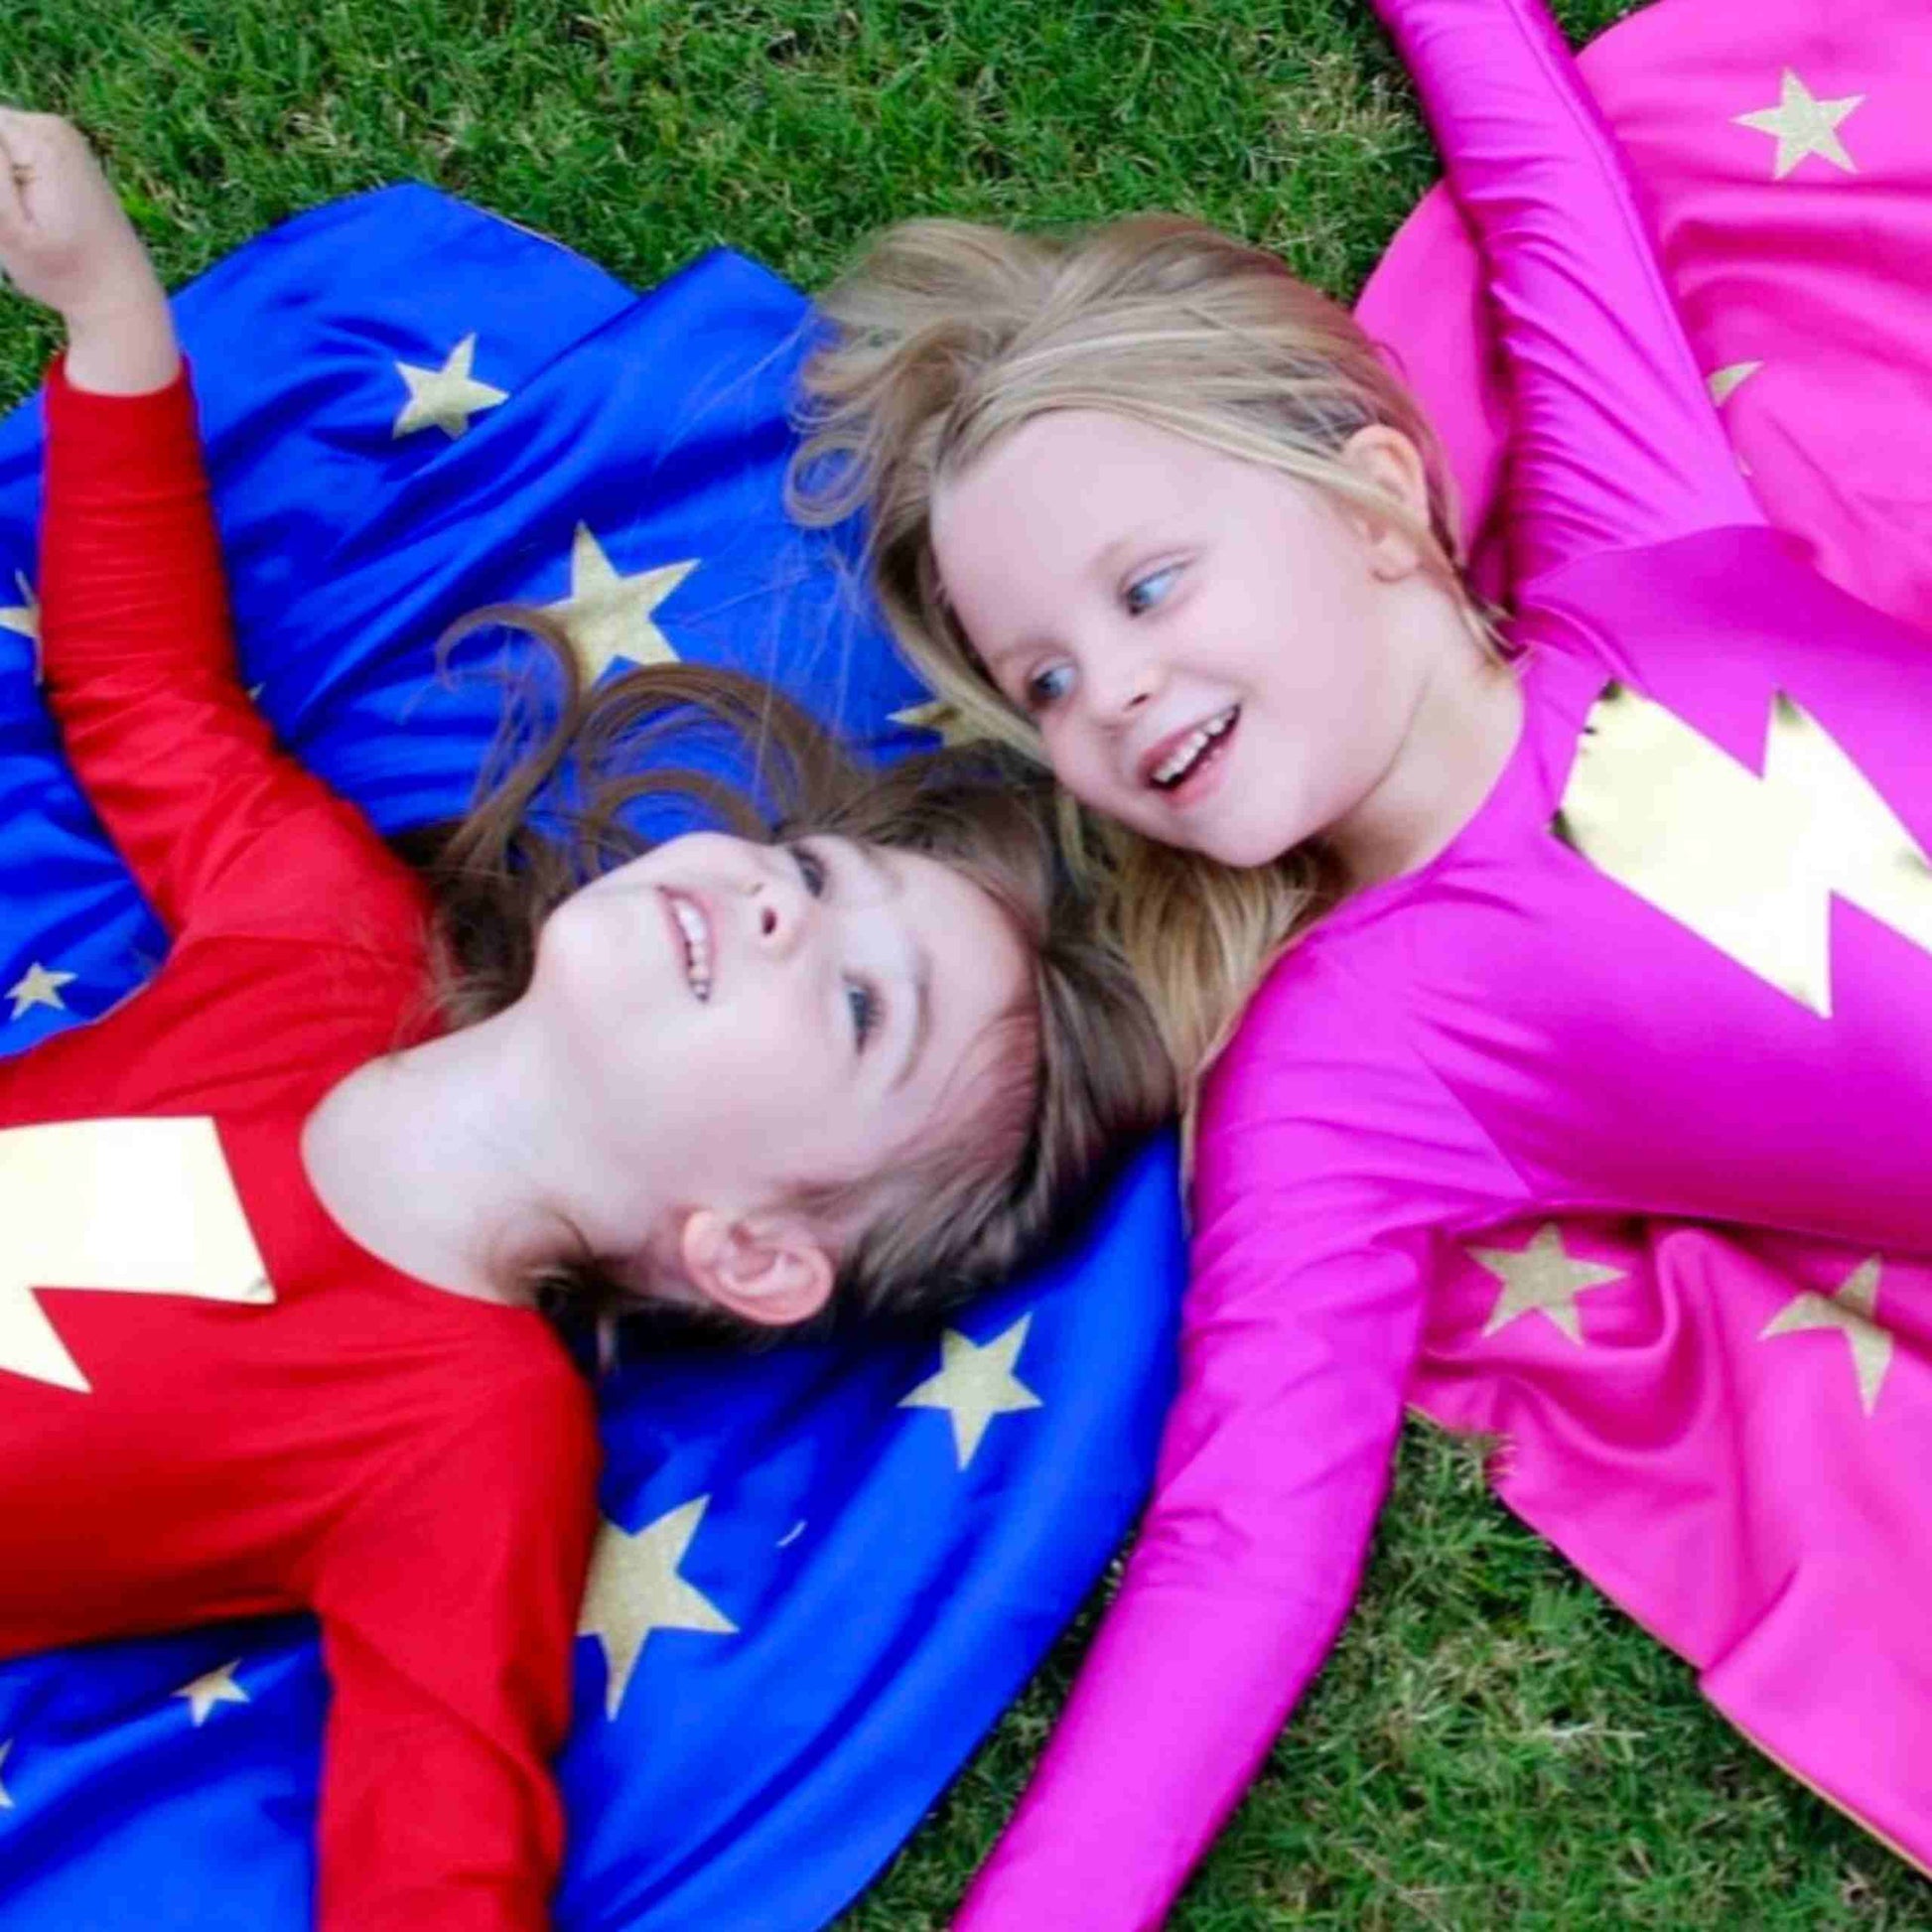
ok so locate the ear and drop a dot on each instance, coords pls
(1387, 460)
(766, 1268)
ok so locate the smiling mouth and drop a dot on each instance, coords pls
(695, 934)
(1200, 745)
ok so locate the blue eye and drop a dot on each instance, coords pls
(862, 1000)
(1049, 686)
(1146, 591)
(812, 869)
(864, 1005)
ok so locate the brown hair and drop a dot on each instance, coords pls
(949, 336)
(1076, 1071)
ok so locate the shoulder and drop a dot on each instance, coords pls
(1709, 578)
(536, 1404)
(1314, 1027)
(330, 881)
(1324, 1114)
(517, 1421)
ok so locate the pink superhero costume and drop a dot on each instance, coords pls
(1665, 970)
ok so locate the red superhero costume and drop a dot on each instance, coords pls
(416, 1468)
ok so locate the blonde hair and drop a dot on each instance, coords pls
(948, 337)
(1060, 1083)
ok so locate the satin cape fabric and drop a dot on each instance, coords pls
(832, 1592)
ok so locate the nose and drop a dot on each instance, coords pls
(1123, 683)
(780, 907)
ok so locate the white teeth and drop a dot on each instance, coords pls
(1170, 768)
(1184, 757)
(697, 946)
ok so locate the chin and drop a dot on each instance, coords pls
(1246, 847)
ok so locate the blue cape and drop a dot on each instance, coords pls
(890, 1573)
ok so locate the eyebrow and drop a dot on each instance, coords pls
(1104, 562)
(889, 881)
(1109, 558)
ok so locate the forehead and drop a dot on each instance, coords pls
(976, 957)
(945, 909)
(1057, 508)
(1077, 466)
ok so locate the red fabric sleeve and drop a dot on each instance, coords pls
(449, 1600)
(1613, 438)
(216, 825)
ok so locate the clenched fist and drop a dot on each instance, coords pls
(65, 241)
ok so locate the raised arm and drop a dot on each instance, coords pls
(137, 657)
(1315, 1192)
(449, 1599)
(1614, 439)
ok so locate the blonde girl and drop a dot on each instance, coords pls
(1508, 921)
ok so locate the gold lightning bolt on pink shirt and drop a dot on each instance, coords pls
(1607, 1130)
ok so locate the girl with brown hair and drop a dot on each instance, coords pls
(362, 1125)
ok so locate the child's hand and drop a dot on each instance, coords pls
(64, 238)
(65, 241)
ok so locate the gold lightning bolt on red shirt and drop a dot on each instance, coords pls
(212, 1403)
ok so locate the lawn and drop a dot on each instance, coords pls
(1492, 1747)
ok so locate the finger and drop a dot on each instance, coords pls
(33, 153)
(13, 205)
(18, 132)
(36, 141)
(17, 148)
(27, 158)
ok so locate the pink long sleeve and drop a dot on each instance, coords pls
(1329, 1163)
(1328, 1158)
(1613, 438)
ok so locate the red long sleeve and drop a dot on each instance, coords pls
(449, 1596)
(139, 670)
(415, 1466)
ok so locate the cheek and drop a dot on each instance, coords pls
(725, 1085)
(573, 969)
(1316, 671)
(774, 1050)
(1077, 762)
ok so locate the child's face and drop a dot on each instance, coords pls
(736, 1019)
(1206, 646)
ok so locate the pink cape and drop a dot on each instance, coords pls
(1657, 1422)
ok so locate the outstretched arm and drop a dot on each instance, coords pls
(1614, 439)
(449, 1595)
(1327, 1159)
(1272, 1471)
(136, 652)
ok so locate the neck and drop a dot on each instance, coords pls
(1466, 715)
(452, 1160)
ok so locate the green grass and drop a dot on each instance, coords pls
(1492, 1747)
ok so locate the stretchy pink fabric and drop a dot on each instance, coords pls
(1510, 1037)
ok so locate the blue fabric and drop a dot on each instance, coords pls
(887, 1595)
